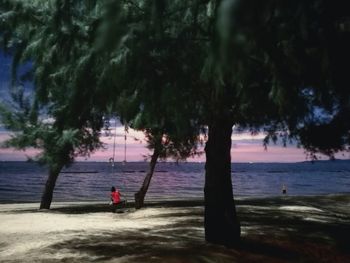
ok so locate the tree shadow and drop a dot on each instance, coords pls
(272, 232)
(171, 244)
(282, 238)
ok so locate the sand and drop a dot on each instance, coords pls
(281, 229)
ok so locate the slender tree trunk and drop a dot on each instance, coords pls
(46, 197)
(140, 195)
(220, 219)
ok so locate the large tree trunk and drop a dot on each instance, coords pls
(220, 219)
(46, 197)
(140, 195)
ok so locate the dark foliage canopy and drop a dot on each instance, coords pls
(172, 67)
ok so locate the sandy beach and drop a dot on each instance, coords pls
(280, 229)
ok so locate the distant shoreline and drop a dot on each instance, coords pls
(189, 162)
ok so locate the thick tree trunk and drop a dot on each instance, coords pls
(46, 197)
(140, 195)
(220, 219)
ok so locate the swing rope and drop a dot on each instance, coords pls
(124, 162)
(125, 137)
(112, 159)
(115, 136)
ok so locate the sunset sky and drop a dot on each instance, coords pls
(245, 148)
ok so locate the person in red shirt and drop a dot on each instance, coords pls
(115, 198)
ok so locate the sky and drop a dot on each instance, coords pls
(245, 147)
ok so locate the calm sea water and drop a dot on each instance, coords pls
(91, 181)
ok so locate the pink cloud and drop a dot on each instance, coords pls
(11, 154)
(245, 148)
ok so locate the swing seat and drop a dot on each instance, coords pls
(120, 207)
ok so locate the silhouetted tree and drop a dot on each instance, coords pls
(280, 67)
(64, 117)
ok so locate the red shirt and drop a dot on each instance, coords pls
(115, 197)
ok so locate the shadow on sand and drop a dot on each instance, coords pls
(288, 229)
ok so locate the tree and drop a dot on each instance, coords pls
(84, 45)
(53, 36)
(277, 66)
(163, 147)
(148, 76)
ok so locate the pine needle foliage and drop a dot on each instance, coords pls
(279, 66)
(62, 119)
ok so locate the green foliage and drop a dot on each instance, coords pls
(53, 35)
(280, 65)
(93, 59)
(171, 67)
(152, 66)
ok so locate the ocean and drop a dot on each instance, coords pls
(91, 181)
